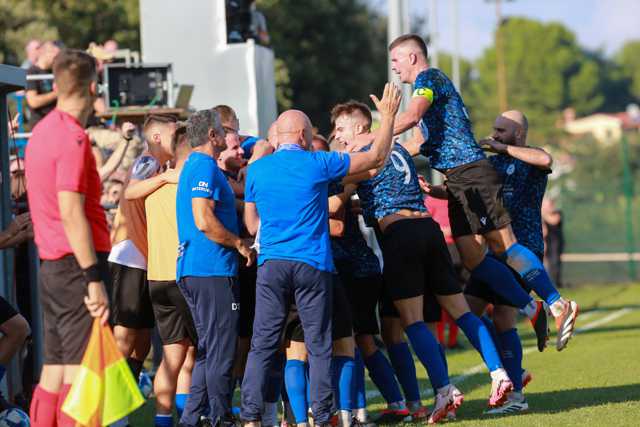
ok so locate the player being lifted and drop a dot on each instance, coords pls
(474, 190)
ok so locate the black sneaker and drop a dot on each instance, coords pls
(540, 324)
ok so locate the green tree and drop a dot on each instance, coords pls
(20, 22)
(547, 71)
(80, 22)
(445, 63)
(334, 50)
(629, 60)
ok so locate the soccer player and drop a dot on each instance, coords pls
(523, 171)
(360, 273)
(132, 309)
(207, 268)
(417, 266)
(475, 204)
(173, 318)
(13, 326)
(63, 188)
(295, 257)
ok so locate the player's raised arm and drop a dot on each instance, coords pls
(377, 155)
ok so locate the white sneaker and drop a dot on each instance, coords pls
(446, 401)
(515, 403)
(501, 385)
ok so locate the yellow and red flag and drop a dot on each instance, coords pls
(104, 390)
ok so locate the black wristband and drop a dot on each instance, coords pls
(92, 274)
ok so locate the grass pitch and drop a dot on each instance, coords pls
(595, 381)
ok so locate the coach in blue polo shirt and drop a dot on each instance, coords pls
(208, 266)
(286, 196)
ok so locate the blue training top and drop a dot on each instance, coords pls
(290, 190)
(198, 255)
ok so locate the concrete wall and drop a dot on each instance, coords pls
(192, 36)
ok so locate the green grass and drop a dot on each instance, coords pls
(595, 381)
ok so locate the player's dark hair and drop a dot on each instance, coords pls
(180, 136)
(414, 38)
(227, 113)
(349, 108)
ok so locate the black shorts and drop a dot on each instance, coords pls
(363, 294)
(431, 310)
(172, 313)
(131, 306)
(247, 277)
(66, 320)
(475, 199)
(416, 260)
(341, 323)
(6, 311)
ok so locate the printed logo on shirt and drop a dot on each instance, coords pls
(511, 169)
(202, 186)
(483, 220)
(235, 306)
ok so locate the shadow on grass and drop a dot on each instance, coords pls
(562, 400)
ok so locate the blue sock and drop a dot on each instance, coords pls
(359, 396)
(381, 373)
(342, 371)
(499, 278)
(163, 420)
(530, 268)
(295, 379)
(511, 350)
(3, 370)
(426, 348)
(488, 323)
(181, 401)
(480, 338)
(402, 361)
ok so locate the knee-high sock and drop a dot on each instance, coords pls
(295, 379)
(427, 349)
(163, 420)
(358, 397)
(181, 400)
(480, 337)
(381, 373)
(511, 351)
(43, 408)
(500, 279)
(402, 361)
(530, 268)
(64, 420)
(342, 380)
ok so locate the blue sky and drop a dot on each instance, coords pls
(604, 24)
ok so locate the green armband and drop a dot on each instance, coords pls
(424, 92)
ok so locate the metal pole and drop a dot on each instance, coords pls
(433, 33)
(456, 45)
(627, 184)
(398, 25)
(500, 65)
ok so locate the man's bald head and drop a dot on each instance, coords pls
(511, 128)
(294, 127)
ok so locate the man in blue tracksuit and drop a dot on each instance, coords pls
(207, 268)
(286, 196)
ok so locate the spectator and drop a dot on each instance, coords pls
(111, 46)
(41, 96)
(31, 50)
(319, 143)
(258, 25)
(553, 240)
